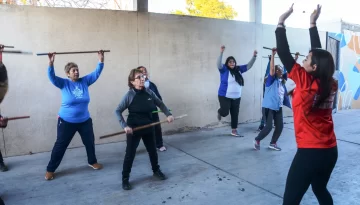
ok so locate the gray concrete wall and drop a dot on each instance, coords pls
(179, 51)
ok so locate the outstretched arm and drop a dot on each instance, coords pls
(55, 80)
(282, 44)
(218, 63)
(268, 67)
(92, 77)
(244, 68)
(314, 34)
(272, 63)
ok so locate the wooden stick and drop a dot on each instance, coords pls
(9, 47)
(157, 111)
(73, 52)
(17, 118)
(141, 127)
(17, 52)
(271, 50)
(268, 57)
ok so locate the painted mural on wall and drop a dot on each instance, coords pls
(349, 69)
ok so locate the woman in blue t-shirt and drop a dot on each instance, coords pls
(74, 115)
(231, 83)
(274, 98)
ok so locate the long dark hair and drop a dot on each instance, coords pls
(325, 68)
(235, 71)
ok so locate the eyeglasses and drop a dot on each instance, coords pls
(140, 76)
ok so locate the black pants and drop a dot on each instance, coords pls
(65, 133)
(271, 115)
(310, 166)
(1, 201)
(158, 132)
(230, 105)
(132, 142)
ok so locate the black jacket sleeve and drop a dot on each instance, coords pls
(314, 38)
(283, 49)
(155, 90)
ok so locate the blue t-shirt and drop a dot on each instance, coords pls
(75, 95)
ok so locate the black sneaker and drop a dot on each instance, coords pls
(3, 167)
(158, 174)
(125, 184)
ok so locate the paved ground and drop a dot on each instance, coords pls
(204, 167)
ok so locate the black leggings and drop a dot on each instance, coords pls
(271, 115)
(310, 166)
(158, 132)
(132, 142)
(232, 105)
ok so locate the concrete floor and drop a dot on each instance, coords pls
(204, 167)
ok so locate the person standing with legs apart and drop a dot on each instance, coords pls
(312, 102)
(3, 120)
(231, 83)
(158, 133)
(140, 102)
(274, 99)
(74, 115)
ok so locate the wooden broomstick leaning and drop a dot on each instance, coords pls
(141, 127)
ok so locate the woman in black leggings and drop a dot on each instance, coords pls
(312, 103)
(140, 102)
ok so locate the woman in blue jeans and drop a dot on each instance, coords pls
(74, 115)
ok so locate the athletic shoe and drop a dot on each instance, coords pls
(274, 147)
(256, 145)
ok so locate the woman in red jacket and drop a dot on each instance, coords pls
(313, 98)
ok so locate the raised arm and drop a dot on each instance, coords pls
(282, 44)
(219, 60)
(92, 77)
(244, 68)
(55, 80)
(272, 63)
(314, 34)
(268, 67)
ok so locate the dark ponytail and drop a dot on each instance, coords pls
(324, 72)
